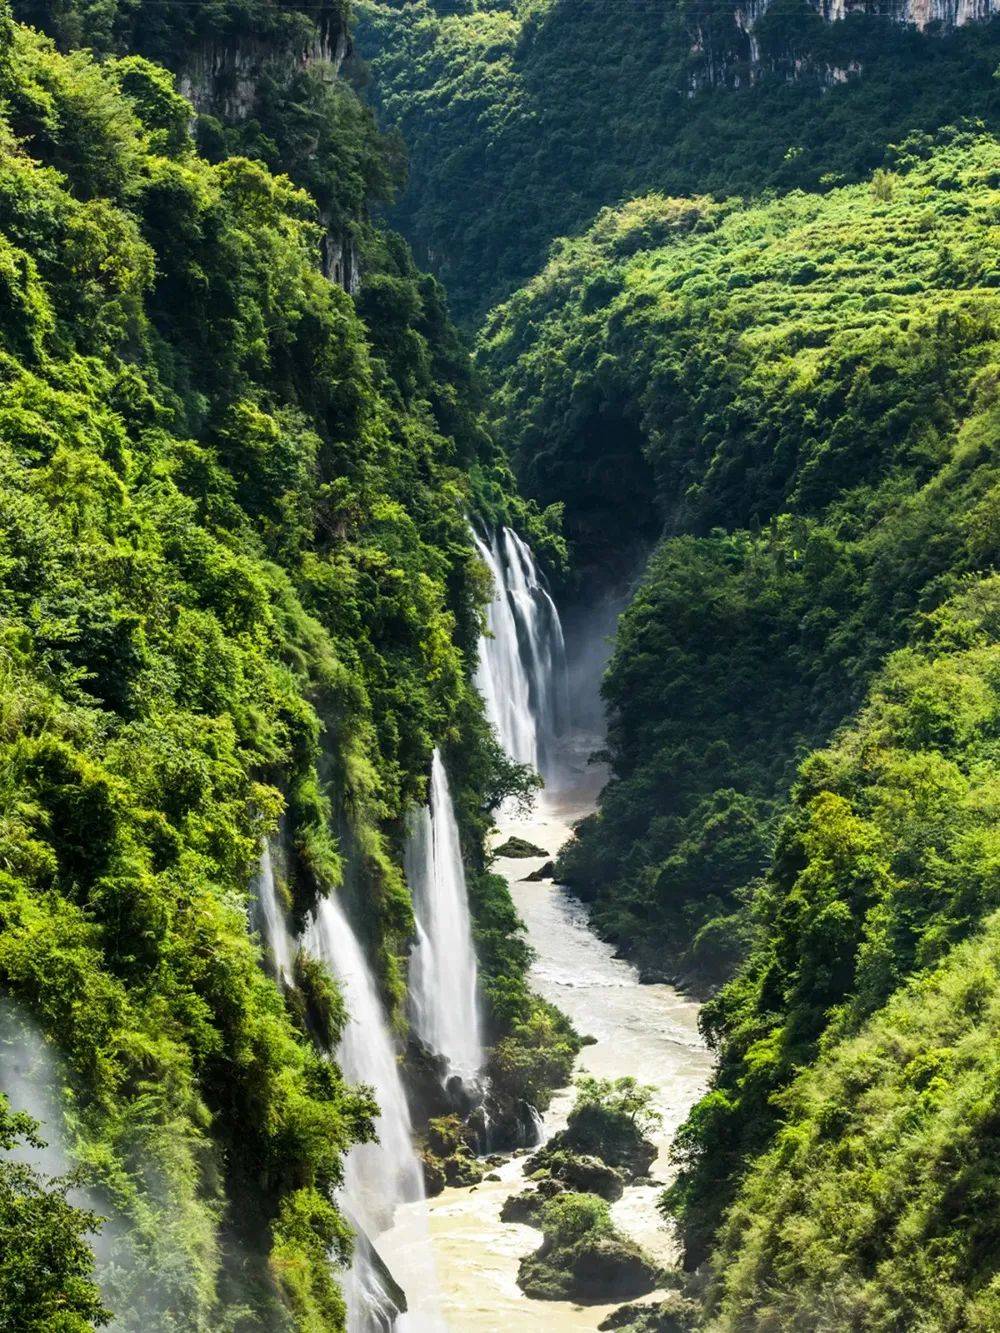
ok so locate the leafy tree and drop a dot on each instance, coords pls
(46, 1264)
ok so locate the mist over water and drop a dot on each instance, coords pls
(144, 1275)
(444, 1003)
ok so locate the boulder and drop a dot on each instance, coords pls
(547, 871)
(598, 1270)
(434, 1177)
(581, 1172)
(518, 848)
(526, 1206)
(462, 1169)
(676, 1314)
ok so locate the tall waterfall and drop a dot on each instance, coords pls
(273, 926)
(522, 662)
(379, 1175)
(443, 999)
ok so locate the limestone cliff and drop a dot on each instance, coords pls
(918, 13)
(222, 77)
(736, 61)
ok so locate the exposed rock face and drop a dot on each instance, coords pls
(222, 78)
(739, 60)
(919, 13)
(339, 262)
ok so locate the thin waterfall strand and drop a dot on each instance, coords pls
(543, 646)
(273, 926)
(500, 676)
(444, 999)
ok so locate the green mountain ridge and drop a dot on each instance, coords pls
(523, 120)
(738, 307)
(804, 392)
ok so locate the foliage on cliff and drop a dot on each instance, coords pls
(263, 77)
(864, 1101)
(523, 120)
(819, 375)
(47, 1278)
(237, 596)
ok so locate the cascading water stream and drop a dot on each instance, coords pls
(500, 677)
(522, 677)
(542, 641)
(444, 1003)
(380, 1175)
(522, 660)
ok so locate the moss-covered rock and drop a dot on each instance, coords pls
(527, 1206)
(434, 1176)
(449, 1156)
(609, 1121)
(582, 1173)
(677, 1314)
(546, 871)
(519, 848)
(583, 1256)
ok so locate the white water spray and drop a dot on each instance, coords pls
(443, 984)
(377, 1176)
(522, 661)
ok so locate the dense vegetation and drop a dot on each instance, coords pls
(523, 119)
(46, 1280)
(806, 391)
(263, 80)
(238, 598)
(815, 368)
(871, 1200)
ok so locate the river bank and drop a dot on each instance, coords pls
(647, 1031)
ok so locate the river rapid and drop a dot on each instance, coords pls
(647, 1031)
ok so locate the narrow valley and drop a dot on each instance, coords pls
(499, 666)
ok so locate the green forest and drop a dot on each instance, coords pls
(523, 118)
(280, 535)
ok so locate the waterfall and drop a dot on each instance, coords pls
(382, 1174)
(522, 661)
(274, 930)
(443, 999)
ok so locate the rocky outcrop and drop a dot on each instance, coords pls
(339, 262)
(918, 13)
(577, 1172)
(740, 60)
(222, 78)
(449, 1155)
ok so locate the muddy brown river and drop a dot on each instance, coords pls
(454, 1257)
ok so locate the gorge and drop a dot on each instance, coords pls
(499, 682)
